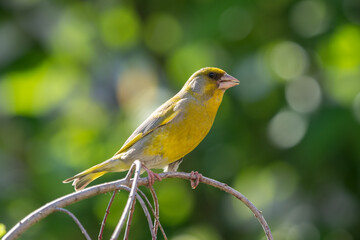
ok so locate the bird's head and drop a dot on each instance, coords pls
(209, 81)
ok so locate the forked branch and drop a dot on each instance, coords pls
(69, 199)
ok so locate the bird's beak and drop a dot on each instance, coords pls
(227, 81)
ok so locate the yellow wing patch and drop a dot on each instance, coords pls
(130, 143)
(168, 119)
(141, 135)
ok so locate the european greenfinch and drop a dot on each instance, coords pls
(172, 131)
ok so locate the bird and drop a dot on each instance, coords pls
(172, 131)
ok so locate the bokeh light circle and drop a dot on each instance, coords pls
(162, 33)
(235, 24)
(254, 74)
(187, 59)
(288, 60)
(343, 85)
(265, 186)
(342, 49)
(303, 231)
(72, 38)
(137, 90)
(171, 197)
(309, 18)
(303, 95)
(287, 128)
(120, 27)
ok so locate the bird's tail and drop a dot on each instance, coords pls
(82, 179)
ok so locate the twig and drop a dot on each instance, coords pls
(156, 204)
(106, 215)
(147, 201)
(157, 214)
(162, 231)
(146, 211)
(49, 208)
(130, 201)
(154, 213)
(242, 198)
(128, 224)
(75, 220)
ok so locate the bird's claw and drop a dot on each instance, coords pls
(151, 176)
(195, 179)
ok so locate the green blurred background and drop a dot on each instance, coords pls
(77, 77)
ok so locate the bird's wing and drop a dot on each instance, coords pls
(163, 115)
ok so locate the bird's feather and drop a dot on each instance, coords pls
(162, 116)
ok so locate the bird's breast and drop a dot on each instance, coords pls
(180, 136)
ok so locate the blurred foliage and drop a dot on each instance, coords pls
(77, 77)
(2, 229)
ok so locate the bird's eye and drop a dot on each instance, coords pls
(212, 75)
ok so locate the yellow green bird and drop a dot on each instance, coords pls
(172, 131)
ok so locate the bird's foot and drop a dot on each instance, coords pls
(151, 175)
(195, 179)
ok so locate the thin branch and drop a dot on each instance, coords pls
(130, 201)
(106, 215)
(157, 211)
(75, 220)
(49, 208)
(242, 198)
(142, 204)
(128, 224)
(162, 231)
(146, 211)
(154, 213)
(147, 201)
